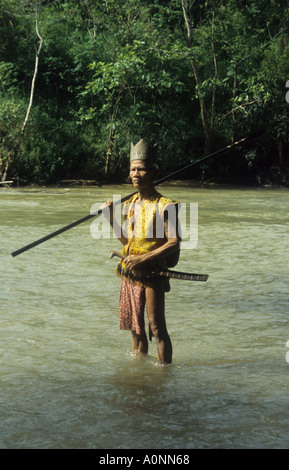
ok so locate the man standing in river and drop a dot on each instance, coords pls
(150, 242)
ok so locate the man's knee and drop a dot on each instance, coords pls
(157, 331)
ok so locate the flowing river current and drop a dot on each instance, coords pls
(67, 375)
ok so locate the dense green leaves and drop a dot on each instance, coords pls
(113, 71)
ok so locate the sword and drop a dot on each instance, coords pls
(165, 274)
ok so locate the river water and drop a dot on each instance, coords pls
(68, 379)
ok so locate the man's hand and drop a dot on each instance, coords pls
(134, 261)
(107, 210)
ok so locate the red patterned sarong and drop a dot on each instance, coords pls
(131, 307)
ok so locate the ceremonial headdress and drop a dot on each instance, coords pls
(143, 151)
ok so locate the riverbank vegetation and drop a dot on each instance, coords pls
(80, 80)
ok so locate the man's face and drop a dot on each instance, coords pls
(141, 176)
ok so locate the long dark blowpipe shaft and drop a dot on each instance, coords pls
(161, 180)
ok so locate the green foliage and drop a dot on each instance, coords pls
(52, 150)
(11, 110)
(111, 72)
(7, 79)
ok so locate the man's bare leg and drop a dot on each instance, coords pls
(139, 343)
(155, 301)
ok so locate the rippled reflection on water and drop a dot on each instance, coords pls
(68, 379)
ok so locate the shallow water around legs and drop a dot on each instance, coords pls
(68, 379)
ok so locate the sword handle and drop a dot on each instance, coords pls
(116, 253)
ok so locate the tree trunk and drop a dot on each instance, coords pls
(110, 142)
(206, 128)
(13, 154)
(109, 152)
(215, 75)
(281, 155)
